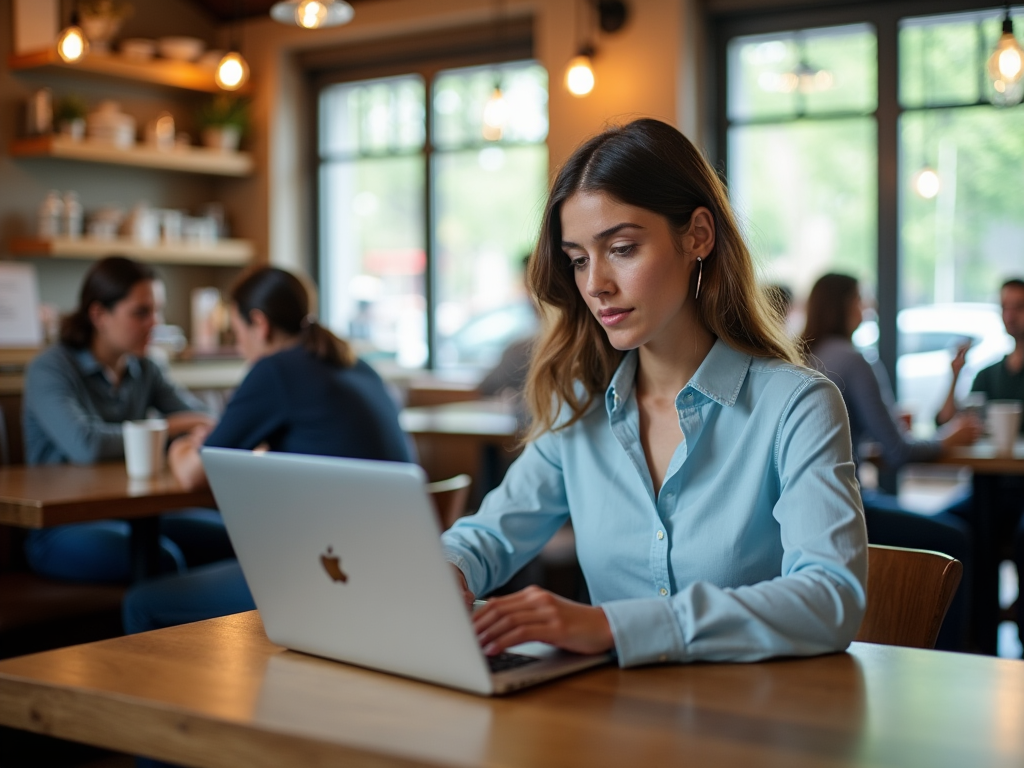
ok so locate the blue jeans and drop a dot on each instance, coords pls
(202, 593)
(100, 552)
(891, 525)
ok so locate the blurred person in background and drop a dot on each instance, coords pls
(834, 311)
(1002, 381)
(78, 394)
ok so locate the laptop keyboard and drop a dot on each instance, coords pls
(503, 662)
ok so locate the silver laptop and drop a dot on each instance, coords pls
(343, 558)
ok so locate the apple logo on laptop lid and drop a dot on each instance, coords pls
(332, 564)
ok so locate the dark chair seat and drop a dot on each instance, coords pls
(27, 599)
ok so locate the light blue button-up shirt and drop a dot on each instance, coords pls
(755, 545)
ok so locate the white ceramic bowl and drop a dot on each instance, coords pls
(138, 48)
(181, 48)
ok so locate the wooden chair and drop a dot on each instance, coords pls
(909, 592)
(450, 497)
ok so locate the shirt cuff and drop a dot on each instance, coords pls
(646, 631)
(455, 558)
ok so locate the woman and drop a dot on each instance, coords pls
(834, 310)
(707, 475)
(77, 395)
(306, 393)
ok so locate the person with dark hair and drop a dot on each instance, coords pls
(706, 472)
(1003, 380)
(307, 392)
(77, 395)
(834, 311)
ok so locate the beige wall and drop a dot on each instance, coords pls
(646, 69)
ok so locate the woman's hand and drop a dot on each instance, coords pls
(187, 421)
(959, 359)
(184, 461)
(536, 614)
(964, 429)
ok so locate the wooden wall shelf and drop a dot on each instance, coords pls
(224, 253)
(173, 74)
(189, 160)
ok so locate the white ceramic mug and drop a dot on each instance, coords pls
(1003, 422)
(144, 443)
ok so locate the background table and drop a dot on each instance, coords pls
(987, 467)
(478, 438)
(58, 494)
(218, 693)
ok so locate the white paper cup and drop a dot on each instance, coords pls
(144, 447)
(1003, 422)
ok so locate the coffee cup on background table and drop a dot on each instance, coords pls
(144, 443)
(1003, 423)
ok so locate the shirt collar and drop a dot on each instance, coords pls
(89, 365)
(719, 376)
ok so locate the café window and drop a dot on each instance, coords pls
(802, 125)
(801, 144)
(424, 221)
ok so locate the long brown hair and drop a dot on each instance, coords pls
(828, 309)
(107, 282)
(651, 165)
(284, 300)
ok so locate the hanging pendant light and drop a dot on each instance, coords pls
(312, 14)
(72, 44)
(232, 72)
(1006, 67)
(495, 115)
(579, 75)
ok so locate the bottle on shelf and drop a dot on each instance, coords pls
(51, 211)
(72, 216)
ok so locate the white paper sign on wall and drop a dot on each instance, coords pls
(19, 306)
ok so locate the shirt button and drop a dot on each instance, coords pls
(661, 535)
(688, 396)
(662, 591)
(663, 657)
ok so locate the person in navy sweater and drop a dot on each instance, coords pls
(307, 392)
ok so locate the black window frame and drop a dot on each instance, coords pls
(885, 17)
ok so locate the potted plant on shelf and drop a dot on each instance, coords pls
(222, 121)
(69, 116)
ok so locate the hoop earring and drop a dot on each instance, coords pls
(700, 274)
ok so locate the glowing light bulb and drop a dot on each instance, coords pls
(1006, 67)
(311, 13)
(72, 44)
(232, 72)
(926, 183)
(579, 77)
(495, 115)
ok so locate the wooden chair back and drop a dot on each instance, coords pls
(450, 497)
(909, 592)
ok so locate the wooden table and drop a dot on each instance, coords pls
(988, 467)
(58, 494)
(218, 693)
(478, 438)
